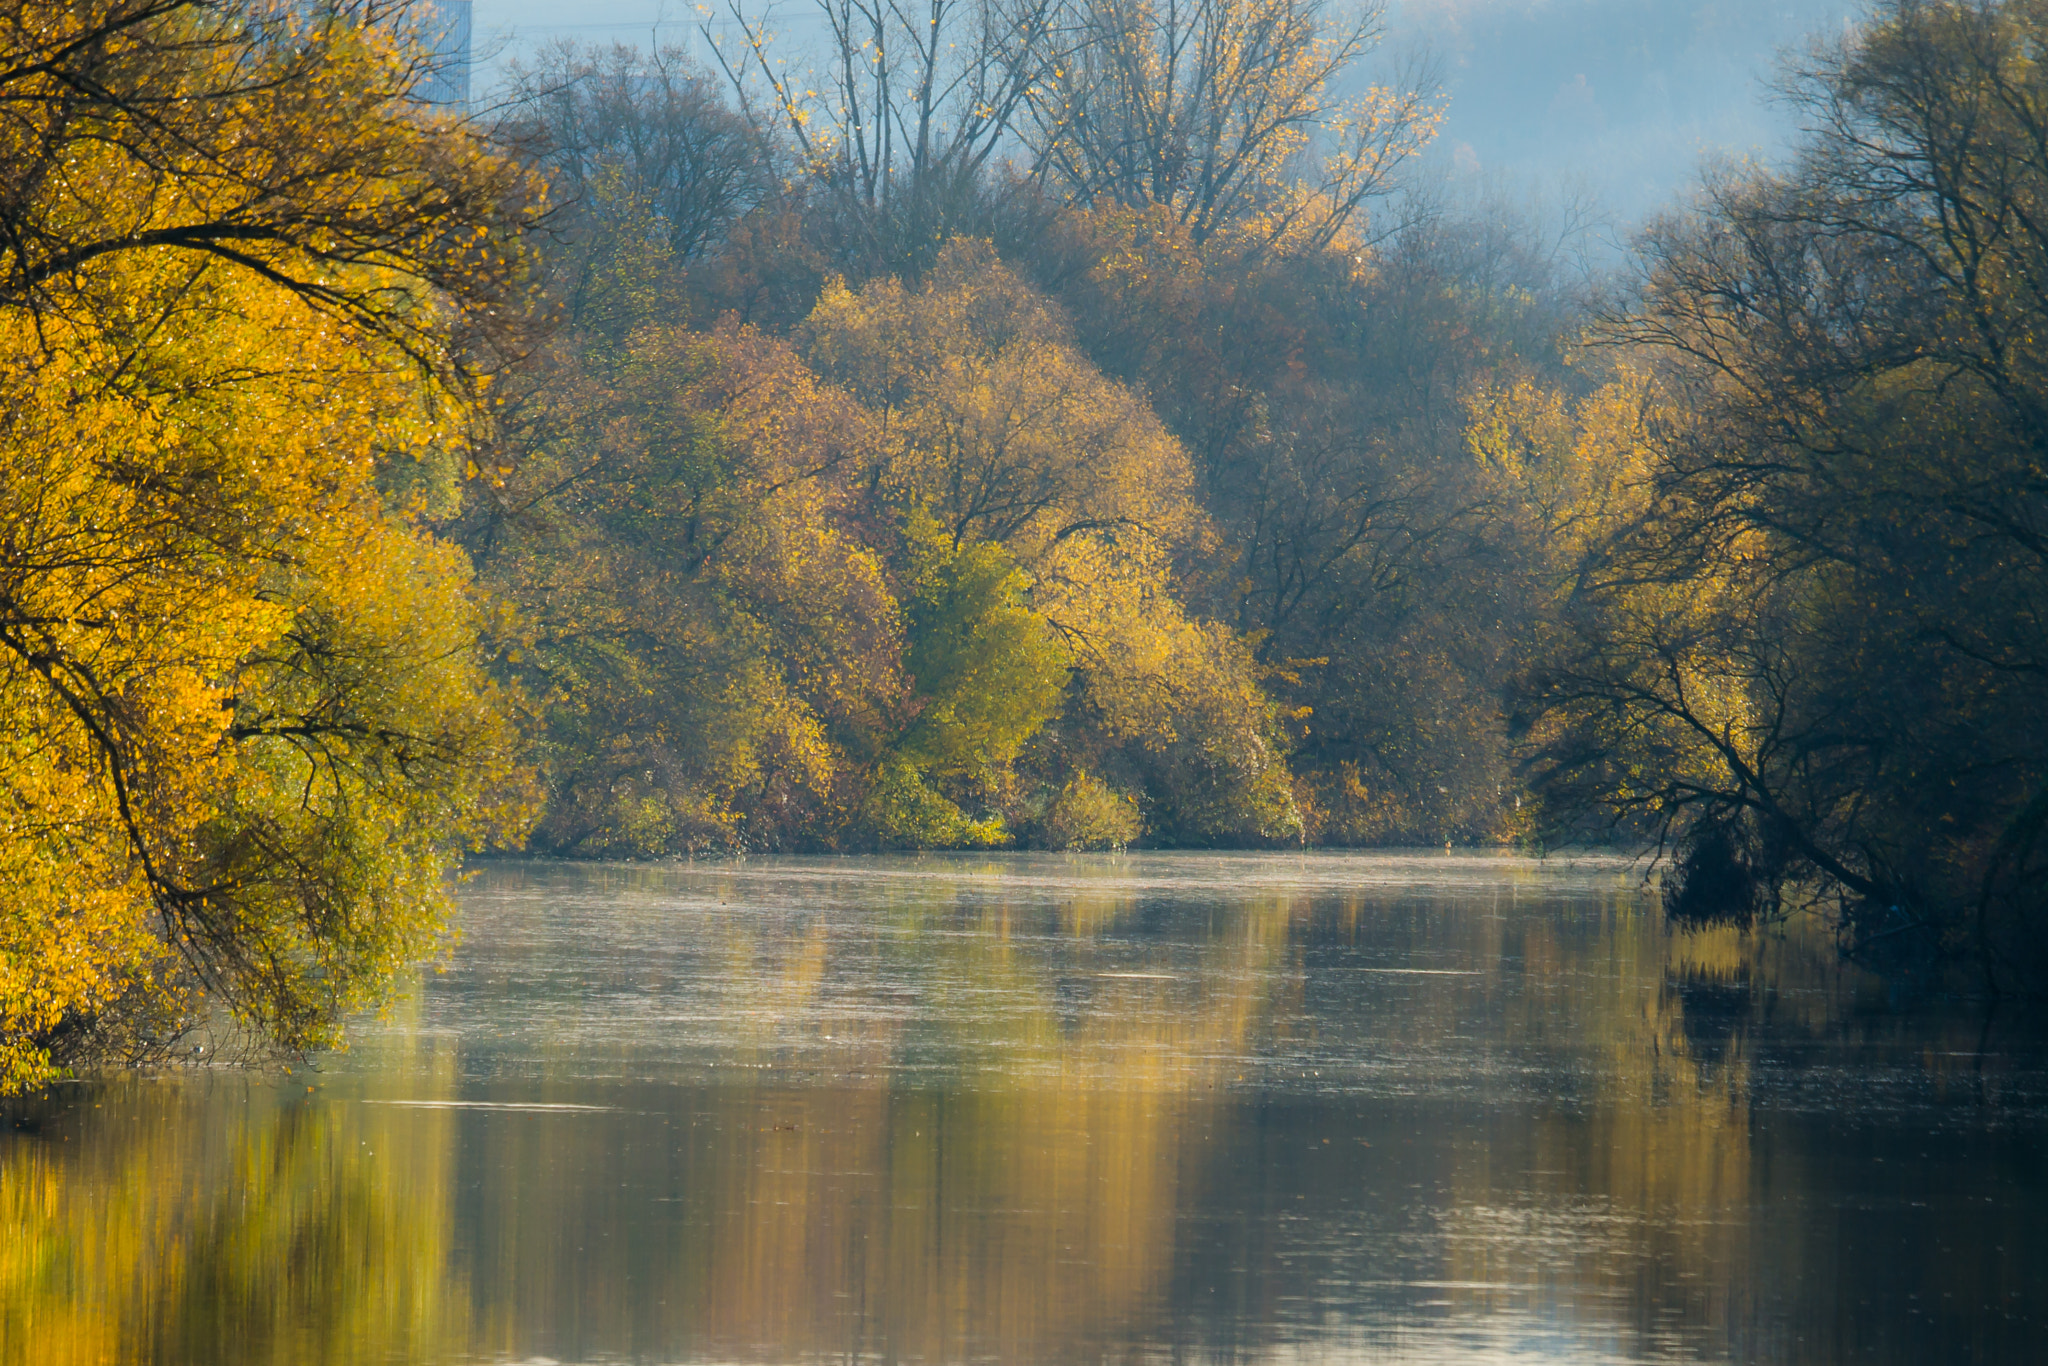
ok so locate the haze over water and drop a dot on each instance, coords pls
(1066, 1109)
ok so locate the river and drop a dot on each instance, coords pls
(1177, 1108)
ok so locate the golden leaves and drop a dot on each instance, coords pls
(1001, 429)
(243, 720)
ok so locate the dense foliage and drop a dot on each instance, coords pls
(1212, 438)
(904, 577)
(1806, 641)
(244, 718)
(1744, 561)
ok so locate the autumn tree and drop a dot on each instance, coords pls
(248, 288)
(1813, 657)
(717, 640)
(1224, 113)
(1000, 431)
(1322, 404)
(1305, 489)
(912, 578)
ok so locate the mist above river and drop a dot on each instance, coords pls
(1028, 1109)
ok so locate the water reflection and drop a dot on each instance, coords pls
(225, 1221)
(1037, 1109)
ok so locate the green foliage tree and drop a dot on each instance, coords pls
(988, 670)
(988, 673)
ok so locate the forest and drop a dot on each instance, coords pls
(1042, 424)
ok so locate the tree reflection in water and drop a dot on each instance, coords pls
(1065, 1109)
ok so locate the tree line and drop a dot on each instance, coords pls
(1045, 423)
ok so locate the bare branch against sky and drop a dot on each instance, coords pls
(1616, 95)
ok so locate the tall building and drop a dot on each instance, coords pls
(444, 32)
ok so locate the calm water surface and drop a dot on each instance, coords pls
(1048, 1110)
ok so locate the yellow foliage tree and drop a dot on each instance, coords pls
(1222, 112)
(999, 430)
(996, 425)
(244, 725)
(1573, 487)
(718, 639)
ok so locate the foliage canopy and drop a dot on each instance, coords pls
(244, 719)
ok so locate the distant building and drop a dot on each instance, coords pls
(444, 31)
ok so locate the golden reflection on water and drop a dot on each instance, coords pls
(1654, 1171)
(1036, 1210)
(270, 1230)
(1275, 1114)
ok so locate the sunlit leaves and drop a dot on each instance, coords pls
(1223, 113)
(988, 670)
(243, 700)
(244, 728)
(998, 426)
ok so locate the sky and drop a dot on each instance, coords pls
(1626, 97)
(1621, 99)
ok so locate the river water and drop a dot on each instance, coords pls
(1043, 1109)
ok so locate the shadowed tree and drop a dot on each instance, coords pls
(1815, 647)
